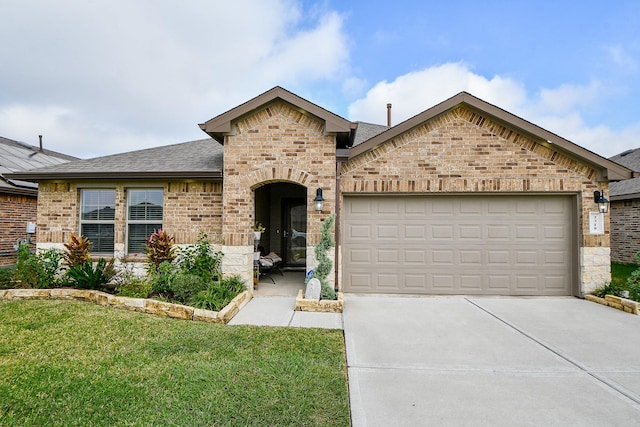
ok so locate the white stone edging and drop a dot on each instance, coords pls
(142, 305)
(322, 306)
(619, 303)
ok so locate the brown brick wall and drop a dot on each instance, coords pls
(462, 151)
(275, 144)
(625, 230)
(57, 211)
(15, 212)
(189, 208)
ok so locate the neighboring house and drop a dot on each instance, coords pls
(625, 210)
(18, 199)
(463, 198)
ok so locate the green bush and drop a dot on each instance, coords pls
(162, 278)
(7, 280)
(88, 276)
(39, 270)
(325, 265)
(201, 260)
(134, 286)
(186, 286)
(634, 292)
(218, 294)
(606, 289)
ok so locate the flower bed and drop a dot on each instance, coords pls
(143, 305)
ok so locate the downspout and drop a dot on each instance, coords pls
(337, 225)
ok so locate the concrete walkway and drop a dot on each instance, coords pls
(455, 361)
(278, 311)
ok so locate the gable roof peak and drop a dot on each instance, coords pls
(220, 125)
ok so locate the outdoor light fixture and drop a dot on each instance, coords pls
(603, 204)
(319, 200)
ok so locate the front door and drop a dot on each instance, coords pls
(294, 232)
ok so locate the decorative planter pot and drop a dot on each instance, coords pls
(257, 235)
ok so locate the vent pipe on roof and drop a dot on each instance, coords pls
(40, 138)
(388, 115)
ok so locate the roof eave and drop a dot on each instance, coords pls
(610, 170)
(19, 191)
(68, 176)
(622, 197)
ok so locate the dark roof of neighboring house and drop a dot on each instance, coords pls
(607, 168)
(630, 188)
(194, 159)
(16, 156)
(366, 131)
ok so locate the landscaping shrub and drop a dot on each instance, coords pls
(88, 276)
(160, 248)
(134, 286)
(77, 251)
(7, 278)
(218, 294)
(607, 289)
(39, 270)
(162, 278)
(633, 283)
(185, 286)
(201, 260)
(634, 292)
(325, 265)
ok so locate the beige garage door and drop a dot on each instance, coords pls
(476, 245)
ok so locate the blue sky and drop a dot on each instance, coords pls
(109, 76)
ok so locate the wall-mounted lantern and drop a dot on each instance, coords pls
(603, 204)
(319, 200)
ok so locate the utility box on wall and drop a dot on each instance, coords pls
(31, 227)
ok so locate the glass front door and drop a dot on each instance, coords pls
(295, 232)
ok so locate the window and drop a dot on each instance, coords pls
(144, 214)
(97, 215)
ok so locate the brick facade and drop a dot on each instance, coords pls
(625, 223)
(189, 209)
(459, 151)
(15, 211)
(277, 143)
(464, 152)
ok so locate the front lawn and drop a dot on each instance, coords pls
(68, 363)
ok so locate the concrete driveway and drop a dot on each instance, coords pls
(450, 361)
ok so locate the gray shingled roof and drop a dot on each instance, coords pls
(629, 188)
(366, 131)
(194, 159)
(16, 156)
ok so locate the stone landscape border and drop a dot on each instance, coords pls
(322, 306)
(620, 303)
(142, 305)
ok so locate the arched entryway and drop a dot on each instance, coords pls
(281, 208)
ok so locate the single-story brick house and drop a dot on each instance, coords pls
(463, 198)
(625, 210)
(18, 199)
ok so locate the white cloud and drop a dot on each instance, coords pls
(126, 75)
(416, 91)
(559, 110)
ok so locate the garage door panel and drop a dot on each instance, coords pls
(500, 245)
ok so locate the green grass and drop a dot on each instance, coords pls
(620, 272)
(68, 363)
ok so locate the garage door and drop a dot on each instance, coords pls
(475, 245)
